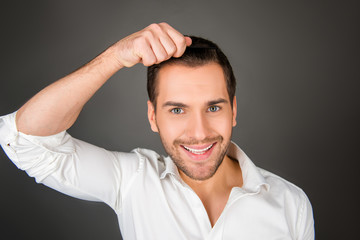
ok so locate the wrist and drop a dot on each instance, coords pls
(111, 56)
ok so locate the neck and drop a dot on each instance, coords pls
(215, 191)
(226, 177)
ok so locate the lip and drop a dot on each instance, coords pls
(199, 147)
(199, 152)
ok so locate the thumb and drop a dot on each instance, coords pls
(188, 41)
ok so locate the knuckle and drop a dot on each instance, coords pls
(180, 50)
(139, 42)
(172, 50)
(161, 55)
(181, 41)
(154, 26)
(148, 34)
(164, 24)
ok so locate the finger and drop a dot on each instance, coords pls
(179, 40)
(149, 59)
(146, 55)
(168, 45)
(159, 50)
(188, 41)
(160, 42)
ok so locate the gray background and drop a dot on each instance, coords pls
(297, 66)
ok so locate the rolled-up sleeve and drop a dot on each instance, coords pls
(69, 165)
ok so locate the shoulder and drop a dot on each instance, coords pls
(148, 159)
(294, 202)
(283, 188)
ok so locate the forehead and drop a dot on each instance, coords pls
(183, 83)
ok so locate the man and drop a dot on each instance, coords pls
(206, 189)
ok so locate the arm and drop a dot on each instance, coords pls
(56, 107)
(38, 144)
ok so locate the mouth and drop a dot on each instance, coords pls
(198, 150)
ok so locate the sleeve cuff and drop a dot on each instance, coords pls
(28, 152)
(8, 129)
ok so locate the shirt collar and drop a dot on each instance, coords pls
(253, 180)
(170, 168)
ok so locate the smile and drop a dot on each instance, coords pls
(199, 151)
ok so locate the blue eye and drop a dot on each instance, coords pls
(177, 110)
(214, 109)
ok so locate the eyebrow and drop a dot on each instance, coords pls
(217, 101)
(174, 104)
(182, 105)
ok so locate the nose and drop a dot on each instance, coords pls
(198, 127)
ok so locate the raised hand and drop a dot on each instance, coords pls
(151, 45)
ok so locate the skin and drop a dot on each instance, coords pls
(194, 112)
(56, 108)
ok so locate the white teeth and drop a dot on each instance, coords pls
(198, 151)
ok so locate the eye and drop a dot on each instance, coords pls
(177, 110)
(214, 108)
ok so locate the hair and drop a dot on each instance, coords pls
(199, 53)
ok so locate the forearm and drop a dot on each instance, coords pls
(56, 107)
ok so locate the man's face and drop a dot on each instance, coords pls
(194, 117)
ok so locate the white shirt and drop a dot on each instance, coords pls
(150, 198)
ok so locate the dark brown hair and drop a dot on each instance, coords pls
(200, 52)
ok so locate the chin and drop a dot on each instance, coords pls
(200, 170)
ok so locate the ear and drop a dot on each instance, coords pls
(234, 111)
(152, 117)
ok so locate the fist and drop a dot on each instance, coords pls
(154, 44)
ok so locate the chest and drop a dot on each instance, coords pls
(171, 211)
(214, 205)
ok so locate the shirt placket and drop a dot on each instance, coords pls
(200, 211)
(235, 195)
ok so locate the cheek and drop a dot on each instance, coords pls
(222, 125)
(225, 128)
(171, 128)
